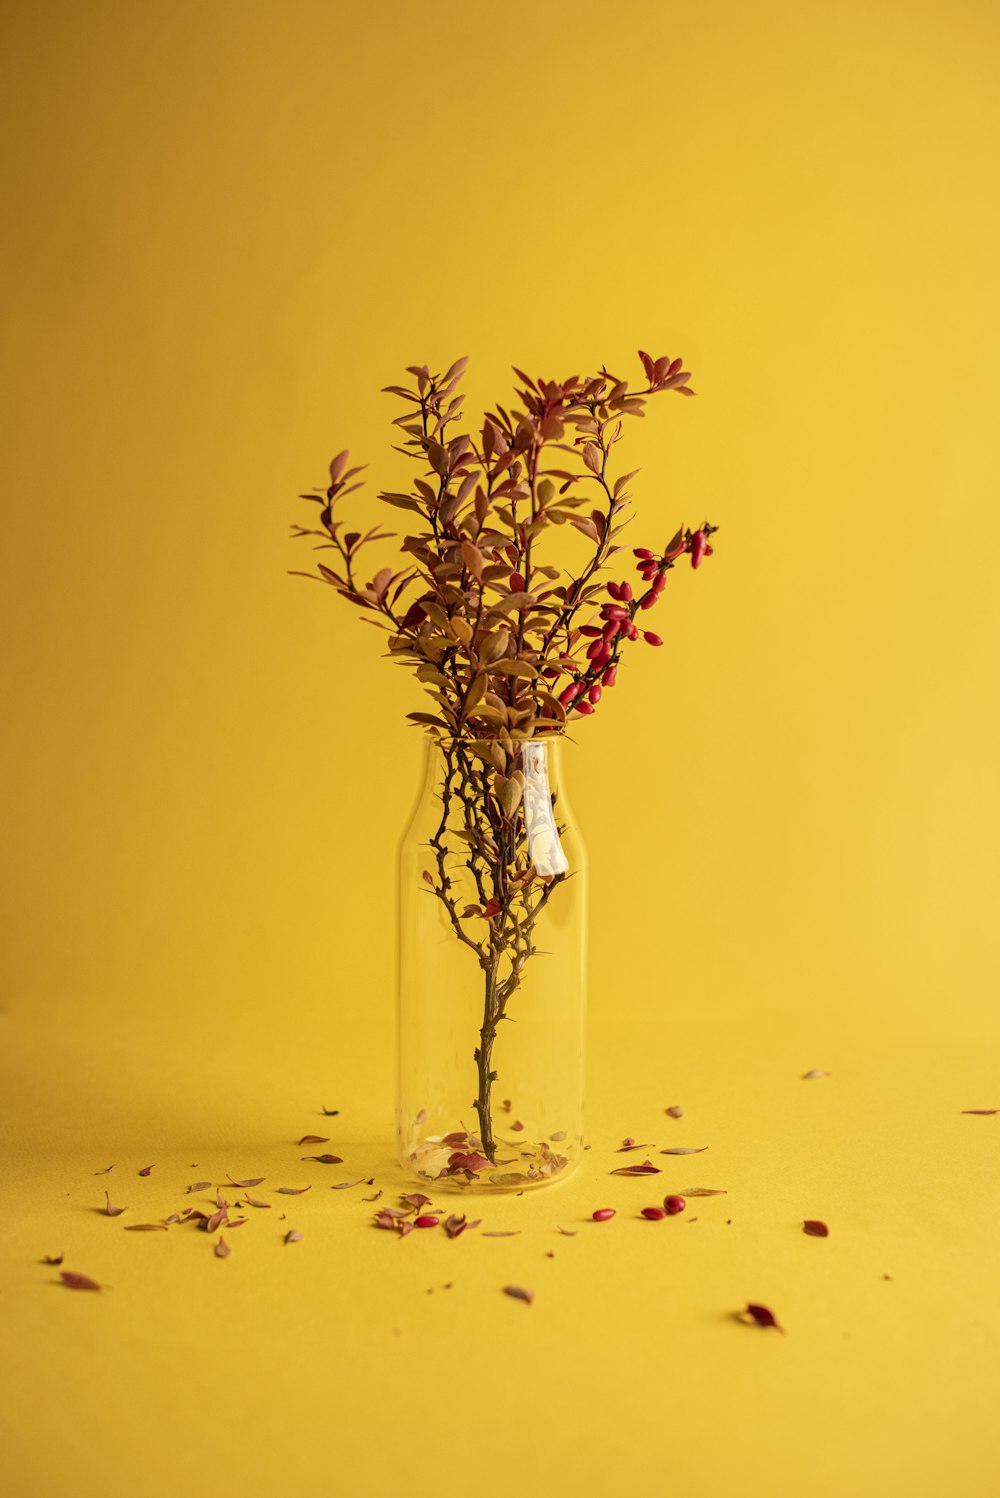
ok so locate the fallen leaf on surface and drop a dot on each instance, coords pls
(678, 1149)
(702, 1191)
(314, 1139)
(325, 1159)
(293, 1190)
(675, 1112)
(517, 1292)
(510, 1233)
(630, 1144)
(809, 1076)
(815, 1228)
(372, 1198)
(75, 1281)
(344, 1185)
(415, 1199)
(200, 1186)
(222, 1249)
(253, 1181)
(981, 1111)
(293, 1236)
(53, 1258)
(104, 1171)
(252, 1201)
(567, 1232)
(145, 1170)
(216, 1220)
(647, 1168)
(110, 1210)
(145, 1227)
(331, 1112)
(760, 1315)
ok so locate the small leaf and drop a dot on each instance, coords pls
(222, 1249)
(983, 1112)
(252, 1201)
(510, 1233)
(809, 1076)
(323, 1160)
(145, 1170)
(345, 1185)
(760, 1315)
(815, 1228)
(702, 1191)
(647, 1168)
(110, 1210)
(145, 1227)
(293, 1236)
(293, 1190)
(675, 1111)
(517, 1292)
(253, 1181)
(74, 1281)
(200, 1186)
(567, 1232)
(53, 1258)
(331, 1112)
(677, 1149)
(314, 1139)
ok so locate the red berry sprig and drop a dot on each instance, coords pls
(618, 617)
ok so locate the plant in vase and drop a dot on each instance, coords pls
(512, 638)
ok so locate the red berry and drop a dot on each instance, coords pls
(642, 553)
(708, 549)
(594, 649)
(610, 676)
(649, 600)
(617, 612)
(568, 693)
(594, 695)
(590, 630)
(659, 582)
(583, 707)
(650, 638)
(516, 582)
(611, 628)
(674, 1204)
(698, 544)
(632, 631)
(603, 1214)
(615, 591)
(626, 592)
(426, 1222)
(655, 1214)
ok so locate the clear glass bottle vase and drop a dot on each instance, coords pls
(492, 969)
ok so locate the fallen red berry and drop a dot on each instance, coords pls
(655, 1214)
(603, 1214)
(674, 1204)
(426, 1222)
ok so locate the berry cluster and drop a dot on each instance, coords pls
(618, 617)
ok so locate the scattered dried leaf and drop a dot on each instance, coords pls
(324, 1159)
(110, 1210)
(222, 1249)
(145, 1170)
(104, 1171)
(675, 1111)
(518, 1292)
(455, 1224)
(314, 1139)
(199, 1186)
(982, 1112)
(809, 1076)
(815, 1228)
(510, 1233)
(760, 1315)
(647, 1168)
(345, 1185)
(53, 1258)
(252, 1201)
(372, 1198)
(331, 1112)
(145, 1227)
(253, 1181)
(677, 1149)
(567, 1232)
(517, 1126)
(293, 1236)
(293, 1190)
(74, 1281)
(630, 1144)
(558, 1136)
(703, 1191)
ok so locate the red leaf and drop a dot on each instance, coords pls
(322, 1160)
(314, 1139)
(253, 1181)
(647, 1168)
(815, 1229)
(113, 1211)
(145, 1170)
(293, 1190)
(74, 1281)
(517, 1292)
(761, 1316)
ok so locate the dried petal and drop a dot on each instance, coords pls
(815, 1228)
(760, 1315)
(517, 1292)
(416, 1199)
(53, 1258)
(104, 1171)
(293, 1236)
(145, 1170)
(314, 1139)
(222, 1249)
(217, 1219)
(345, 1185)
(331, 1112)
(517, 1126)
(647, 1168)
(810, 1075)
(110, 1210)
(510, 1233)
(145, 1227)
(253, 1181)
(252, 1201)
(455, 1224)
(323, 1160)
(675, 1111)
(372, 1198)
(983, 1112)
(678, 1149)
(74, 1281)
(293, 1190)
(704, 1191)
(200, 1186)
(630, 1144)
(174, 1217)
(560, 1134)
(567, 1232)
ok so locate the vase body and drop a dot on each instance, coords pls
(491, 970)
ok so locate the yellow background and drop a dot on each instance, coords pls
(227, 225)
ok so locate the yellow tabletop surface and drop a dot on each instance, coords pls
(228, 224)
